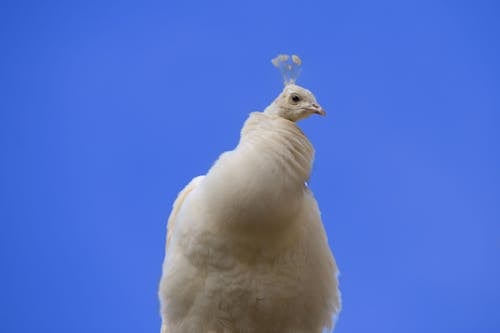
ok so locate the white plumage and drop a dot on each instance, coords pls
(246, 249)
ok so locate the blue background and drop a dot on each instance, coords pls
(107, 109)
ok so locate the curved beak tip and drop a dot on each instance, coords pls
(318, 110)
(321, 112)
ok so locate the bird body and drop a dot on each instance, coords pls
(246, 248)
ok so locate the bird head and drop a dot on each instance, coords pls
(295, 103)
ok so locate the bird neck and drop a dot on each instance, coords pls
(271, 109)
(280, 145)
(258, 186)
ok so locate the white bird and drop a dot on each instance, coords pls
(246, 249)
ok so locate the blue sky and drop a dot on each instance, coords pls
(107, 109)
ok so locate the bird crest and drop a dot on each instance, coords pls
(289, 67)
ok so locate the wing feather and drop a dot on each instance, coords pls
(178, 204)
(181, 197)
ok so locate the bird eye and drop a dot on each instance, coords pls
(295, 98)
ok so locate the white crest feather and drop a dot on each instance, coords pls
(289, 67)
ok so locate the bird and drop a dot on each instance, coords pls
(246, 249)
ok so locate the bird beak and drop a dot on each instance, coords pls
(315, 108)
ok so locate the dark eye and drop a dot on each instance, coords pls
(295, 98)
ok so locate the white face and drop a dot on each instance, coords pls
(296, 103)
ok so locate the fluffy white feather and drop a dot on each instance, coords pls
(246, 249)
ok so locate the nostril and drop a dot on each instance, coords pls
(315, 106)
